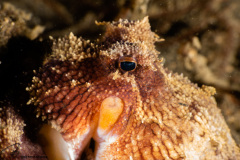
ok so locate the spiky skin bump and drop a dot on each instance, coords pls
(164, 115)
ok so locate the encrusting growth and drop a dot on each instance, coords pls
(151, 112)
(14, 22)
(11, 131)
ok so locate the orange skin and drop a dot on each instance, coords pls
(145, 113)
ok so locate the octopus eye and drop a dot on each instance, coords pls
(127, 64)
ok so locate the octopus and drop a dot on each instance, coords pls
(113, 99)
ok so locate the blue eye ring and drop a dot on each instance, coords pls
(127, 64)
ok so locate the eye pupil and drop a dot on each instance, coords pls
(128, 66)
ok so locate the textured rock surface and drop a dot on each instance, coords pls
(13, 22)
(14, 143)
(11, 131)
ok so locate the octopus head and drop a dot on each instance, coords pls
(95, 90)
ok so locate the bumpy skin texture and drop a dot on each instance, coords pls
(164, 115)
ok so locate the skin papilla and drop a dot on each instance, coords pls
(133, 110)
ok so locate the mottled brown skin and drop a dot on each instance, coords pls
(165, 116)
